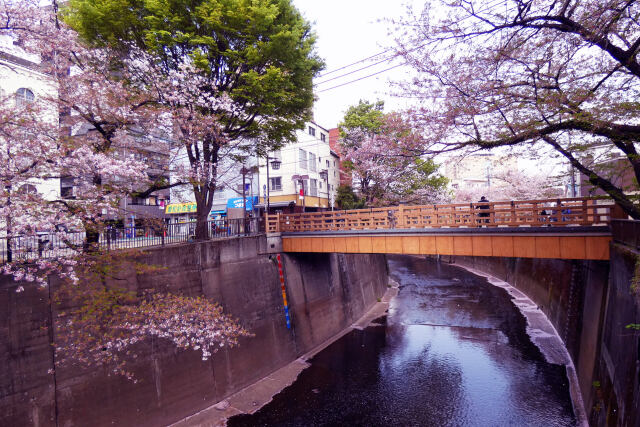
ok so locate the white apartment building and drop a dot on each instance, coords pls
(22, 80)
(302, 176)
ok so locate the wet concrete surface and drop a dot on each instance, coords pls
(452, 351)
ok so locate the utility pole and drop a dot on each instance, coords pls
(268, 186)
(244, 199)
(244, 171)
(9, 252)
(573, 182)
(324, 175)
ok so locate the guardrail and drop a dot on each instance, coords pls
(533, 213)
(52, 245)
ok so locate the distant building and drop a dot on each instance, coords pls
(617, 170)
(346, 177)
(21, 75)
(476, 170)
(22, 79)
(227, 198)
(303, 175)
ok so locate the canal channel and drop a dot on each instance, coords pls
(452, 351)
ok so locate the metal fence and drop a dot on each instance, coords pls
(44, 245)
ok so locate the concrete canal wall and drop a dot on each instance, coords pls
(589, 303)
(326, 292)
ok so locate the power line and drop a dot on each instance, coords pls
(487, 8)
(286, 147)
(362, 78)
(359, 69)
(354, 63)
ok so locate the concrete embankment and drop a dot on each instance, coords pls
(327, 293)
(590, 304)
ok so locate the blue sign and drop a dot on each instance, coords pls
(237, 202)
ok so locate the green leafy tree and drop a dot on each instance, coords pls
(346, 199)
(257, 54)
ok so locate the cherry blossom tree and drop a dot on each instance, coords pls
(548, 76)
(507, 185)
(263, 63)
(383, 151)
(38, 145)
(120, 101)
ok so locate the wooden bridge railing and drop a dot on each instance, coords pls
(534, 213)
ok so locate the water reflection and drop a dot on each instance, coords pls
(453, 352)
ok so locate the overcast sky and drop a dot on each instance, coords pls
(348, 31)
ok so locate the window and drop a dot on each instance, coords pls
(312, 162)
(313, 187)
(320, 185)
(276, 183)
(140, 157)
(247, 188)
(312, 131)
(24, 96)
(219, 193)
(327, 164)
(67, 192)
(323, 137)
(303, 158)
(28, 189)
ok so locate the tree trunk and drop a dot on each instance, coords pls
(92, 239)
(202, 224)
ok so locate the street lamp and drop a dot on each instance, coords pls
(275, 163)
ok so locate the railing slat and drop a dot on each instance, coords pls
(528, 213)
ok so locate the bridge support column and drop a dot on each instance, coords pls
(273, 244)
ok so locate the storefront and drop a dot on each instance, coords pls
(181, 212)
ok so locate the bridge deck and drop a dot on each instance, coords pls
(570, 228)
(577, 242)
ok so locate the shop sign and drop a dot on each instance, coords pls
(237, 203)
(180, 208)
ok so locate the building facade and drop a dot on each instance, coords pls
(23, 81)
(302, 176)
(346, 177)
(22, 78)
(227, 198)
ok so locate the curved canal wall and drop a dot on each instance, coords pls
(590, 304)
(326, 293)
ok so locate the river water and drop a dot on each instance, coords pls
(453, 351)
